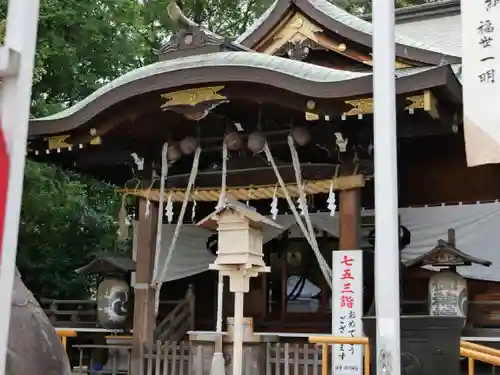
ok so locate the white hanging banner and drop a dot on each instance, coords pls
(481, 80)
(347, 310)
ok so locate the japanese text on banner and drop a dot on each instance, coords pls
(347, 310)
(479, 74)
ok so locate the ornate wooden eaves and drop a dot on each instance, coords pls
(297, 31)
(364, 106)
(252, 192)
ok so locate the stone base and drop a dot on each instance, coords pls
(203, 345)
(430, 345)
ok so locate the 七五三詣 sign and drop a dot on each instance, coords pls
(347, 310)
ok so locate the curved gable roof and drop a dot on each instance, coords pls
(294, 76)
(343, 23)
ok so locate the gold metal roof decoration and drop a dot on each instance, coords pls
(192, 97)
(425, 101)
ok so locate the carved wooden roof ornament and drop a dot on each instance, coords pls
(446, 254)
(192, 39)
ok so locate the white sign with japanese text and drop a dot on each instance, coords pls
(481, 80)
(347, 310)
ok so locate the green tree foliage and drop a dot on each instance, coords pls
(66, 220)
(81, 45)
(228, 18)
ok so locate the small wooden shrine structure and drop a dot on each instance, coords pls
(303, 68)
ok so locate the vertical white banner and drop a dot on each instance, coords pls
(347, 310)
(481, 80)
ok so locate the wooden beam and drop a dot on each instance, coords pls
(350, 219)
(144, 298)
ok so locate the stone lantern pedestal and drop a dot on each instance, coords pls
(239, 257)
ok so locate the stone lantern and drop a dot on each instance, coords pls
(113, 291)
(240, 235)
(239, 257)
(447, 289)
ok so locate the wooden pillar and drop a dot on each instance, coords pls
(350, 219)
(144, 298)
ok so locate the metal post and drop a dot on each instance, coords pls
(16, 62)
(386, 191)
(238, 334)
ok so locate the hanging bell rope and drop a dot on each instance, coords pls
(288, 198)
(222, 201)
(222, 196)
(159, 224)
(327, 272)
(218, 362)
(178, 226)
(161, 202)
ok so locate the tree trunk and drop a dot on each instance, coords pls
(34, 347)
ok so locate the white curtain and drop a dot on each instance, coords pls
(477, 229)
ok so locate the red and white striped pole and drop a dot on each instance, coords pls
(17, 57)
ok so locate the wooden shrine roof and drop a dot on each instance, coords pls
(343, 24)
(309, 81)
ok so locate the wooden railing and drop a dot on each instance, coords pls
(475, 352)
(70, 313)
(325, 341)
(81, 313)
(182, 358)
(179, 321)
(64, 334)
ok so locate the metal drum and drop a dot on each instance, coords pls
(113, 302)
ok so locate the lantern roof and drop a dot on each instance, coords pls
(210, 221)
(446, 254)
(108, 264)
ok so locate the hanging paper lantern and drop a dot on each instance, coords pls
(301, 135)
(256, 142)
(188, 145)
(233, 141)
(112, 302)
(173, 153)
